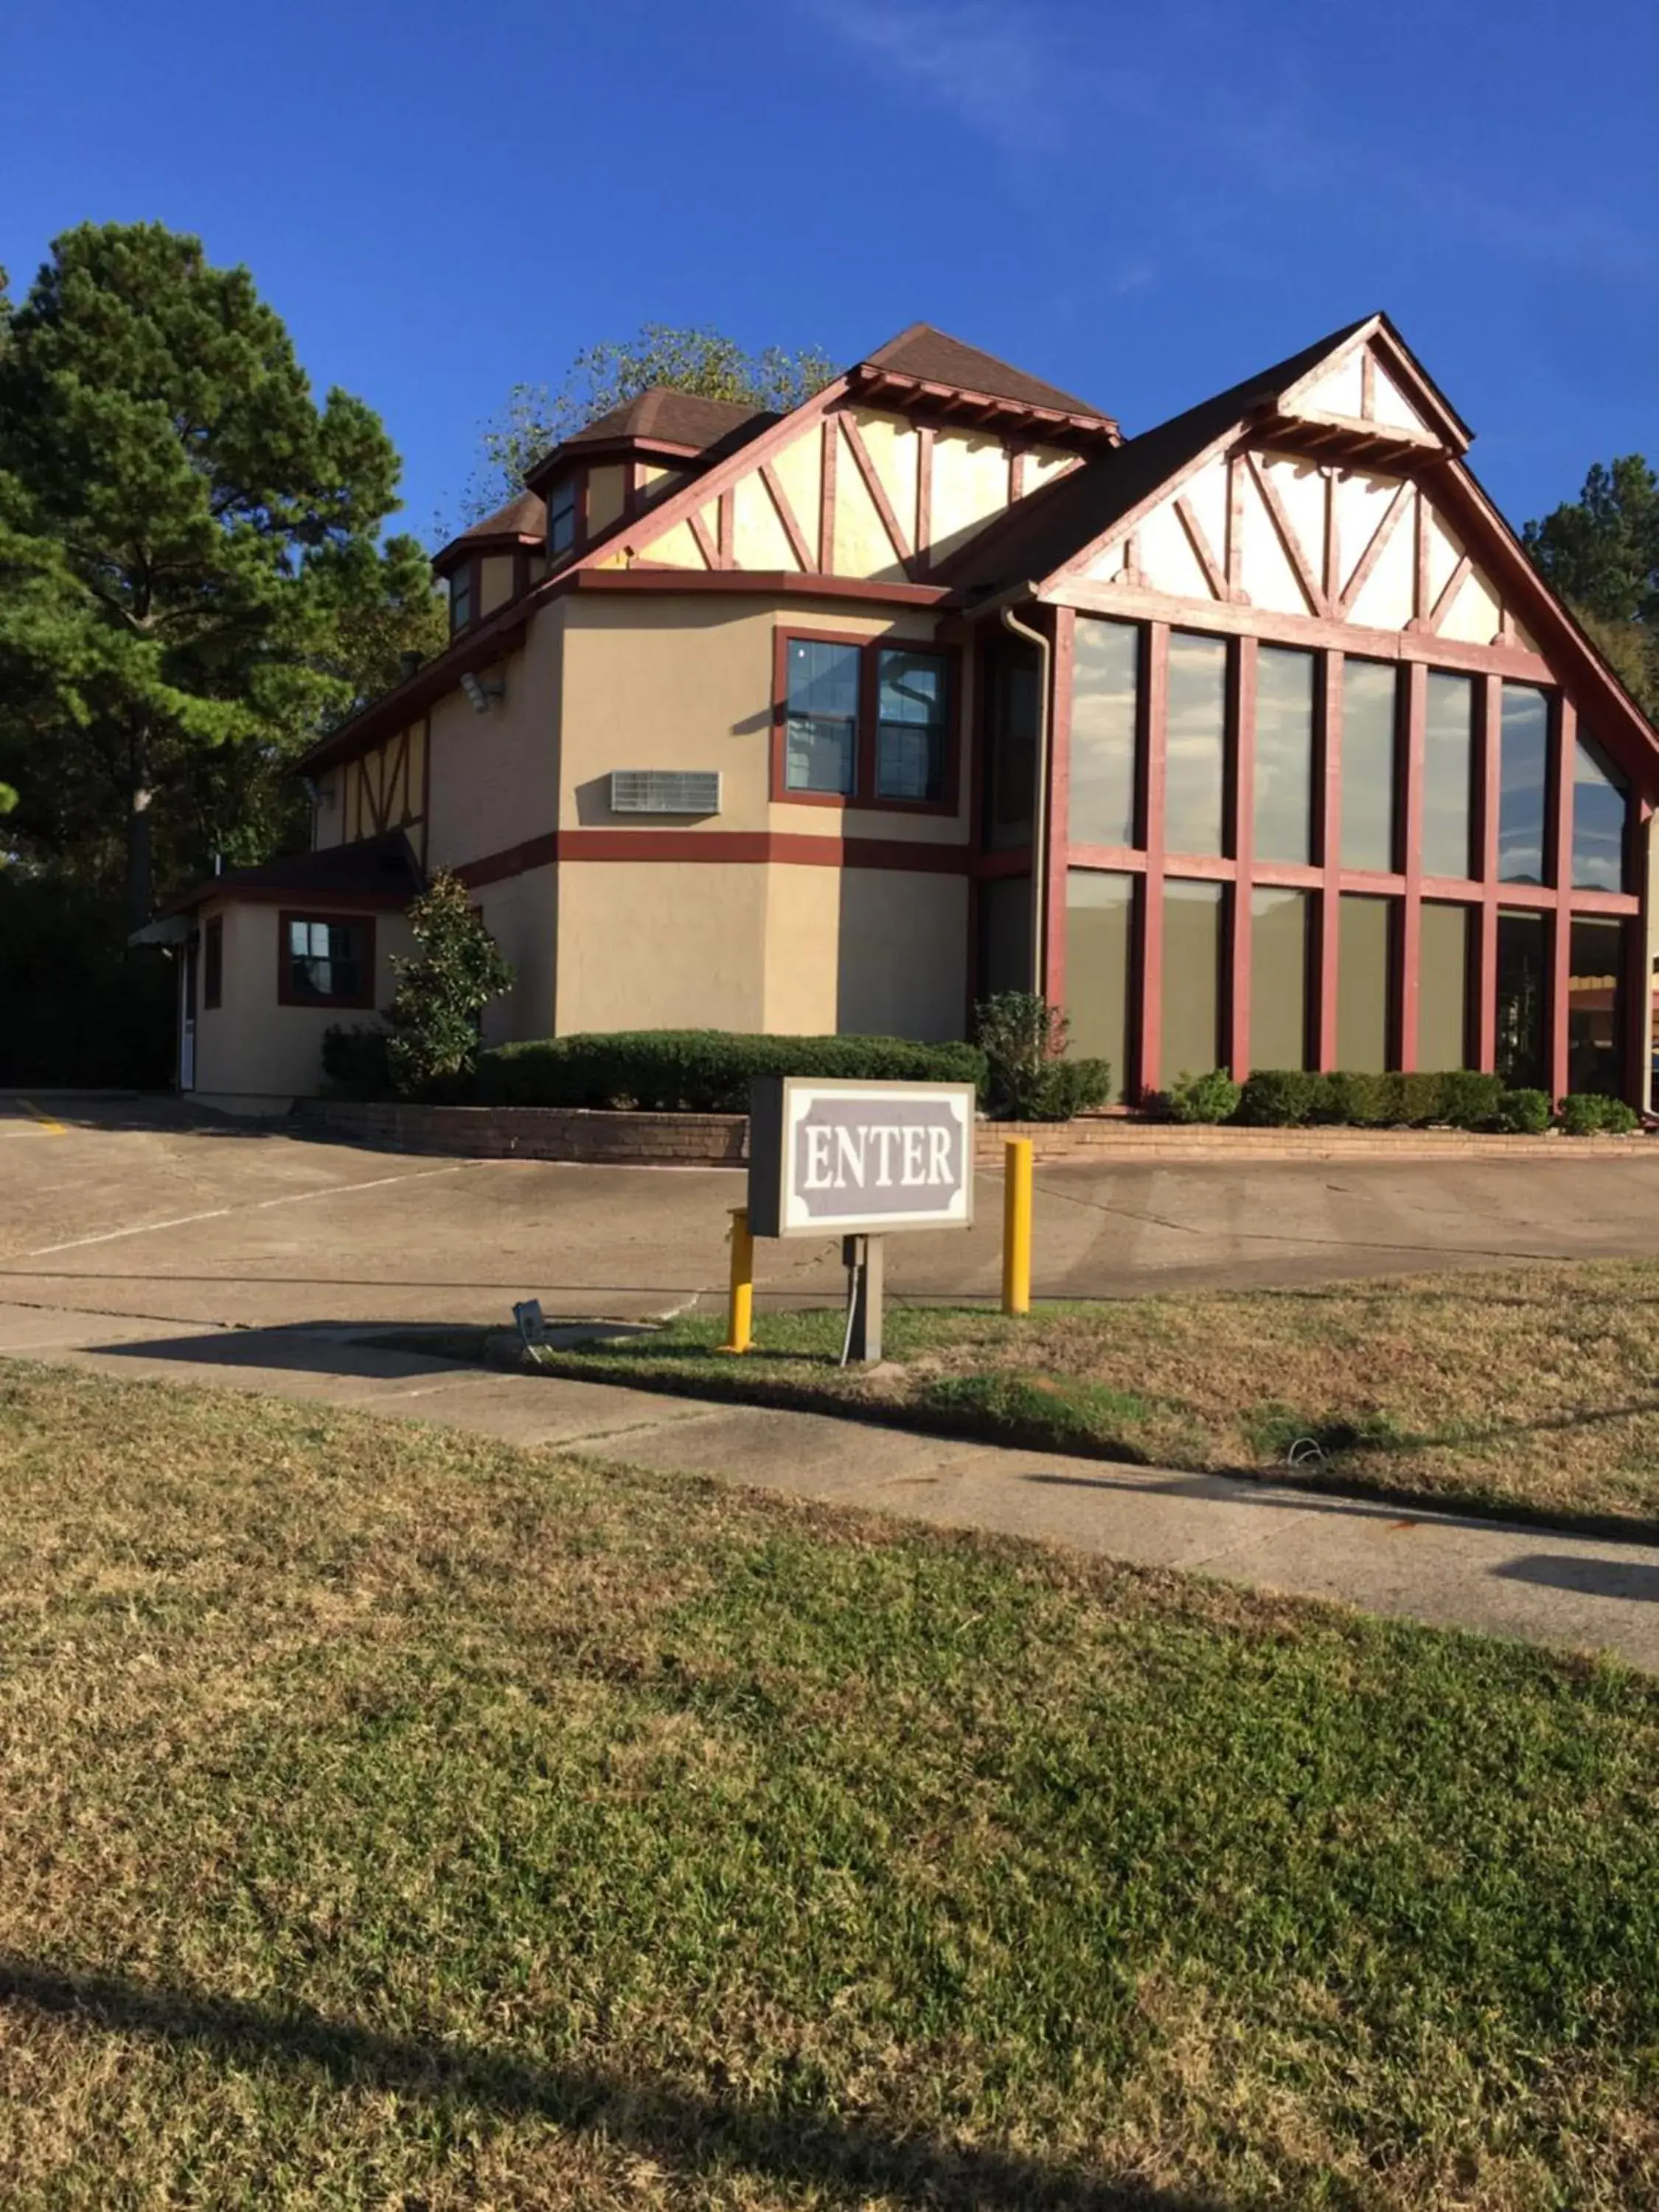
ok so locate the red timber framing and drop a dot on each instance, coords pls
(1324, 879)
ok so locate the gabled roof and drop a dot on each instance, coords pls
(1055, 524)
(933, 357)
(376, 871)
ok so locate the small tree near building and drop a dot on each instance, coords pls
(433, 1015)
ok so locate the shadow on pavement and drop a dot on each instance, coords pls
(1587, 1577)
(684, 2128)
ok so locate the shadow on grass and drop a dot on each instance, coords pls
(677, 2126)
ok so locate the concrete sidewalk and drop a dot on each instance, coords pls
(1581, 1593)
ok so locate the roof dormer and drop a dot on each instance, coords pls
(495, 560)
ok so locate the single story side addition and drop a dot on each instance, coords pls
(1253, 740)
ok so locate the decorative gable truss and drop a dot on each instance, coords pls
(859, 492)
(385, 789)
(1296, 535)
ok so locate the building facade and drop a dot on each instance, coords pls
(1252, 741)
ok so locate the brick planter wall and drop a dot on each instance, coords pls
(540, 1132)
(721, 1140)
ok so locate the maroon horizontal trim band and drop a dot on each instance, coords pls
(778, 583)
(729, 847)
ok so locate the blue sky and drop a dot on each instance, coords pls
(1143, 204)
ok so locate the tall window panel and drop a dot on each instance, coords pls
(912, 709)
(1370, 763)
(1286, 697)
(1100, 909)
(1365, 983)
(1442, 987)
(1196, 745)
(1278, 979)
(1595, 1029)
(1194, 938)
(1523, 784)
(1014, 699)
(1105, 722)
(1448, 776)
(1523, 1002)
(821, 724)
(1005, 935)
(1601, 804)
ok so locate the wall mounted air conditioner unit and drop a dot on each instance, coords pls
(665, 791)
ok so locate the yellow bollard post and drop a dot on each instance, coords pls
(740, 1308)
(1017, 1226)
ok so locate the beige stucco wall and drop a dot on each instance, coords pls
(250, 1048)
(495, 776)
(785, 948)
(661, 945)
(520, 913)
(495, 582)
(686, 683)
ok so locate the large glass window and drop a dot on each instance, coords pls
(1196, 745)
(1600, 804)
(1278, 979)
(1005, 935)
(1193, 938)
(1523, 784)
(821, 724)
(1105, 722)
(1013, 701)
(1442, 987)
(1365, 983)
(1100, 909)
(1595, 1029)
(1285, 698)
(1449, 776)
(912, 713)
(1370, 749)
(1523, 999)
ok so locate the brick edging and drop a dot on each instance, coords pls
(628, 1139)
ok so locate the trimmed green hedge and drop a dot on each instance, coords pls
(1288, 1097)
(1588, 1113)
(702, 1071)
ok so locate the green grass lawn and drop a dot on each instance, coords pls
(1533, 1388)
(390, 1818)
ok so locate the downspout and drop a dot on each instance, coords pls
(1012, 622)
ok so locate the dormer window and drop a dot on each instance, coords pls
(562, 518)
(460, 598)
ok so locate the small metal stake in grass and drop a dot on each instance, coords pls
(740, 1305)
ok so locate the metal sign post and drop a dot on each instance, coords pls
(865, 1260)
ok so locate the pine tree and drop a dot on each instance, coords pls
(186, 542)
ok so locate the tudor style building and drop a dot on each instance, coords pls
(1252, 740)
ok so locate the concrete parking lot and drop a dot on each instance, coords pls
(139, 1208)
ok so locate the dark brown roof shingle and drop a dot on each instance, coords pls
(671, 418)
(938, 358)
(375, 871)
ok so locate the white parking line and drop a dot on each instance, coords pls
(254, 1205)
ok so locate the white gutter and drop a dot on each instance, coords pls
(1040, 791)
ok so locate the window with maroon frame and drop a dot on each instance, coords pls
(912, 717)
(460, 598)
(866, 721)
(326, 962)
(821, 715)
(562, 517)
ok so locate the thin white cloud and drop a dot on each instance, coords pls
(976, 60)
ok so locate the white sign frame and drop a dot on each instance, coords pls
(785, 1149)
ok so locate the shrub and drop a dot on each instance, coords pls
(702, 1071)
(1418, 1100)
(1024, 1039)
(1347, 1096)
(434, 1010)
(1211, 1097)
(1468, 1100)
(354, 1061)
(1587, 1113)
(1523, 1113)
(1277, 1097)
(1066, 1087)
